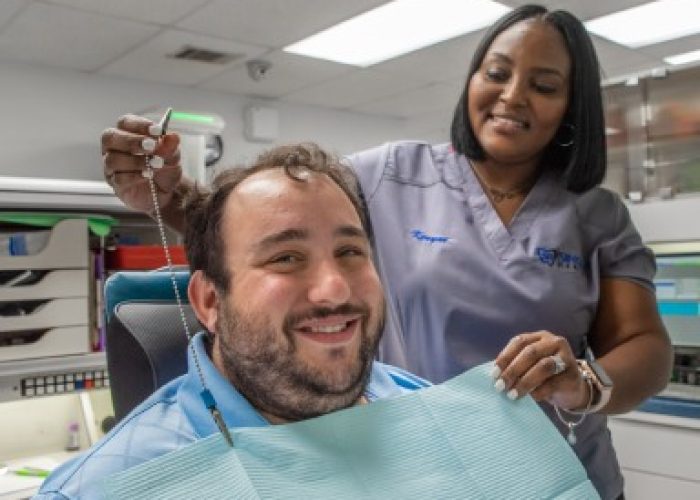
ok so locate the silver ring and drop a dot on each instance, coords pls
(559, 365)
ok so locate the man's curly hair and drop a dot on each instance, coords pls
(204, 208)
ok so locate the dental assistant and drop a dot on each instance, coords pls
(500, 245)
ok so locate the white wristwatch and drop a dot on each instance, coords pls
(601, 381)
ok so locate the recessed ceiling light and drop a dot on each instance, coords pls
(396, 28)
(684, 58)
(650, 23)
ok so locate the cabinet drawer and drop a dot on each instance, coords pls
(54, 284)
(60, 341)
(49, 314)
(656, 449)
(67, 248)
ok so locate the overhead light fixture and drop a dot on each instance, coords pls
(685, 58)
(650, 23)
(396, 28)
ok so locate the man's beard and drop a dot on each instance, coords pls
(267, 371)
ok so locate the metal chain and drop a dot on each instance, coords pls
(571, 425)
(205, 394)
(149, 174)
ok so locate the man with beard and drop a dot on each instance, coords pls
(283, 281)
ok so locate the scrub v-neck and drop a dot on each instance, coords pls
(502, 236)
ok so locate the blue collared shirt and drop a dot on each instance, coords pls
(175, 416)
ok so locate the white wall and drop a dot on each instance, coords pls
(52, 120)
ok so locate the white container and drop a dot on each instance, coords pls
(23, 243)
(67, 248)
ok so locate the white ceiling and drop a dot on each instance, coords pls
(132, 38)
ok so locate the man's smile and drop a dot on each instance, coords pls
(331, 329)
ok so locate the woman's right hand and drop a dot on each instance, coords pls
(124, 153)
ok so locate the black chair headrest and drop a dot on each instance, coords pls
(146, 348)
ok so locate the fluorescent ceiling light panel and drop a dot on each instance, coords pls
(650, 23)
(685, 58)
(396, 28)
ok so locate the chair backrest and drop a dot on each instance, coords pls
(146, 341)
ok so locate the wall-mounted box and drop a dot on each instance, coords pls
(261, 124)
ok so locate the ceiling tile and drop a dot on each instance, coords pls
(672, 47)
(59, 36)
(131, 37)
(431, 98)
(274, 23)
(9, 8)
(443, 61)
(151, 11)
(356, 87)
(289, 72)
(150, 61)
(617, 61)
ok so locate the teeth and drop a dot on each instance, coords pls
(328, 329)
(509, 120)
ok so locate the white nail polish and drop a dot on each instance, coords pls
(495, 372)
(512, 394)
(148, 144)
(499, 385)
(155, 130)
(157, 162)
(147, 173)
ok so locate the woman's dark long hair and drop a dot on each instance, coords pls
(582, 164)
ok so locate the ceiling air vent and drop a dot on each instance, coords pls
(198, 54)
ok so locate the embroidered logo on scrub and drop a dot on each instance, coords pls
(428, 238)
(553, 257)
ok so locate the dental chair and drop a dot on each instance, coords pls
(146, 342)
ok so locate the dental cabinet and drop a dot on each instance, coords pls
(54, 386)
(658, 443)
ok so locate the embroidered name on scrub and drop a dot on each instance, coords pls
(421, 236)
(553, 257)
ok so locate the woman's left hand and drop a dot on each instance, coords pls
(532, 364)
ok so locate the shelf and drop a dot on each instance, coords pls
(660, 416)
(58, 194)
(53, 364)
(64, 195)
(13, 372)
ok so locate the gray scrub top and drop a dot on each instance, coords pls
(460, 284)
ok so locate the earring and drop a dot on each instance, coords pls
(570, 140)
